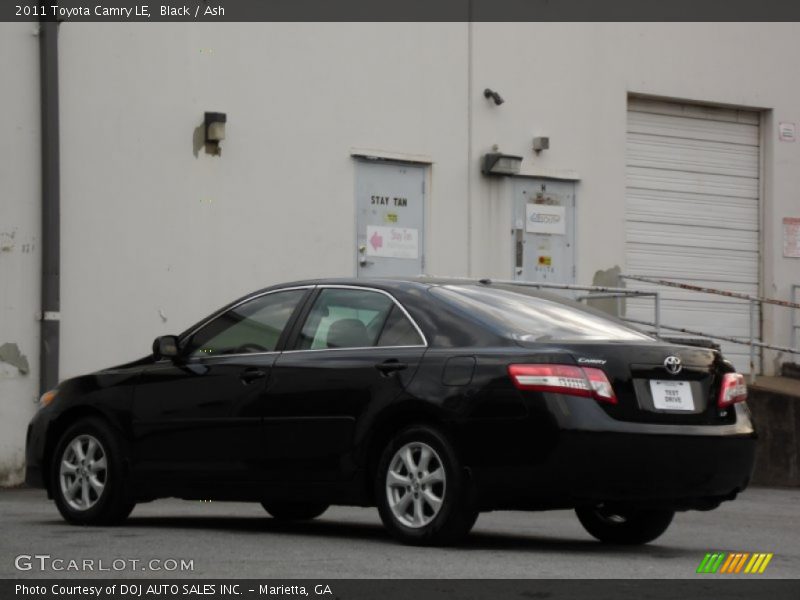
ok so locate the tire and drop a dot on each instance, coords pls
(624, 526)
(432, 506)
(295, 511)
(100, 476)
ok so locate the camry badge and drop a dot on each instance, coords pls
(591, 361)
(673, 364)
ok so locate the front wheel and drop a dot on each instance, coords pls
(421, 489)
(624, 526)
(87, 476)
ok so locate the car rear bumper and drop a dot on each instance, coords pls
(625, 463)
(588, 468)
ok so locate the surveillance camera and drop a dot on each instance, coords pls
(498, 100)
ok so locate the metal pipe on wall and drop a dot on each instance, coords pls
(51, 207)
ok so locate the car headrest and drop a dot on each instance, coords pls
(348, 333)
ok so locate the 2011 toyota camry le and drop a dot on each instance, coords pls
(433, 400)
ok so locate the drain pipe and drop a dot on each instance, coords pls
(51, 207)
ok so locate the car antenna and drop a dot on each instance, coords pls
(485, 281)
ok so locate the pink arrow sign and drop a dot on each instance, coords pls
(376, 241)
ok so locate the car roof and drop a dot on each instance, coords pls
(404, 287)
(420, 281)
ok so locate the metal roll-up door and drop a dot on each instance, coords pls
(692, 214)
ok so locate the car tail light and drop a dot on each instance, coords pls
(563, 379)
(732, 390)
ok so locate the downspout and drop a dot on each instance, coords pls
(470, 43)
(51, 207)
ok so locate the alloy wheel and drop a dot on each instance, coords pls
(415, 484)
(83, 472)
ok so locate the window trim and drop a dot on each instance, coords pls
(367, 289)
(221, 312)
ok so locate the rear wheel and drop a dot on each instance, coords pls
(421, 489)
(624, 526)
(87, 476)
(295, 511)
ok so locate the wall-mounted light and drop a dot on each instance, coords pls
(495, 163)
(215, 129)
(540, 143)
(498, 100)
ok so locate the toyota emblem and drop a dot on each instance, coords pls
(673, 365)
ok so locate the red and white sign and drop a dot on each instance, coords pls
(791, 237)
(392, 242)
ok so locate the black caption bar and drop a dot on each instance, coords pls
(406, 589)
(401, 10)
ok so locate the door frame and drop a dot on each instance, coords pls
(393, 158)
(530, 178)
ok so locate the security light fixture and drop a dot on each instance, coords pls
(495, 163)
(540, 143)
(498, 100)
(215, 129)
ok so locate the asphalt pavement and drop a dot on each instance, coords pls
(227, 539)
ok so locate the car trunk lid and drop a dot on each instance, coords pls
(656, 382)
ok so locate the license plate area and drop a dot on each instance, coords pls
(672, 396)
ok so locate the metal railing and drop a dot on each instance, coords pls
(596, 292)
(795, 324)
(754, 304)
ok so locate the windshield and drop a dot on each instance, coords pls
(530, 318)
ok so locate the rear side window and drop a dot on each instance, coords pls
(534, 318)
(349, 318)
(399, 331)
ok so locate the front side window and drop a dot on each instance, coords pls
(254, 326)
(347, 318)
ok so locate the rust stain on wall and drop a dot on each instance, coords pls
(10, 354)
(7, 240)
(609, 278)
(12, 471)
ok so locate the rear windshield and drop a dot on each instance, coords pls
(529, 318)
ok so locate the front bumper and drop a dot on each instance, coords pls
(35, 446)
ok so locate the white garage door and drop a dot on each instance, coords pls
(693, 214)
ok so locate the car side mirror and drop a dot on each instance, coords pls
(165, 346)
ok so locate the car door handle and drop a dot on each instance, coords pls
(391, 366)
(250, 375)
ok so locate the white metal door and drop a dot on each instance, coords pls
(544, 230)
(693, 213)
(390, 227)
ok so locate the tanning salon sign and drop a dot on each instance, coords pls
(392, 242)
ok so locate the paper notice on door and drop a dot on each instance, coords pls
(392, 242)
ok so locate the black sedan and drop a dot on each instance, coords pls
(433, 400)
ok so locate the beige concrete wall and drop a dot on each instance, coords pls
(571, 81)
(151, 229)
(156, 235)
(20, 246)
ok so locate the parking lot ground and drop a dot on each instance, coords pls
(226, 539)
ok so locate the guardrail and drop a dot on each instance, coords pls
(597, 292)
(754, 303)
(795, 325)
